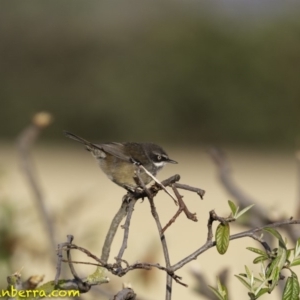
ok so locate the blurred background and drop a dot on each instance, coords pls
(185, 74)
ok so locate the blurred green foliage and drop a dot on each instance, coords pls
(181, 72)
(8, 239)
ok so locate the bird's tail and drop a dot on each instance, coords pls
(78, 139)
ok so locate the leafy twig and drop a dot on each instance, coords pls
(248, 233)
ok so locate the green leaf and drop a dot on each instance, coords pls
(222, 237)
(261, 292)
(221, 291)
(219, 285)
(282, 254)
(257, 289)
(252, 296)
(249, 274)
(262, 274)
(297, 248)
(260, 259)
(233, 207)
(272, 266)
(274, 279)
(225, 292)
(275, 268)
(257, 251)
(258, 280)
(244, 210)
(291, 289)
(295, 262)
(217, 293)
(243, 281)
(288, 253)
(276, 234)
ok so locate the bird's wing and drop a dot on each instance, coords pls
(115, 149)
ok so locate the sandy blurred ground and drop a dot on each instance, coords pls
(83, 201)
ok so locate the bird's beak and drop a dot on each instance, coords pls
(171, 161)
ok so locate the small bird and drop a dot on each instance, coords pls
(120, 161)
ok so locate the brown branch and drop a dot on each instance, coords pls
(115, 223)
(258, 215)
(182, 207)
(298, 184)
(164, 247)
(130, 200)
(172, 220)
(60, 258)
(117, 269)
(189, 215)
(82, 286)
(162, 237)
(25, 142)
(153, 190)
(198, 191)
(248, 233)
(126, 227)
(77, 283)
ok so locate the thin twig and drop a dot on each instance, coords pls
(189, 215)
(198, 191)
(158, 182)
(182, 207)
(70, 239)
(248, 233)
(258, 215)
(298, 184)
(164, 246)
(118, 270)
(162, 238)
(115, 223)
(172, 220)
(126, 227)
(59, 261)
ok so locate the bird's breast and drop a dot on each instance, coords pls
(122, 172)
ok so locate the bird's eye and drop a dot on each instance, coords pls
(158, 157)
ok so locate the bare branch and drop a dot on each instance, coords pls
(248, 233)
(198, 191)
(25, 142)
(126, 227)
(258, 215)
(116, 221)
(117, 269)
(157, 182)
(162, 237)
(182, 207)
(298, 183)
